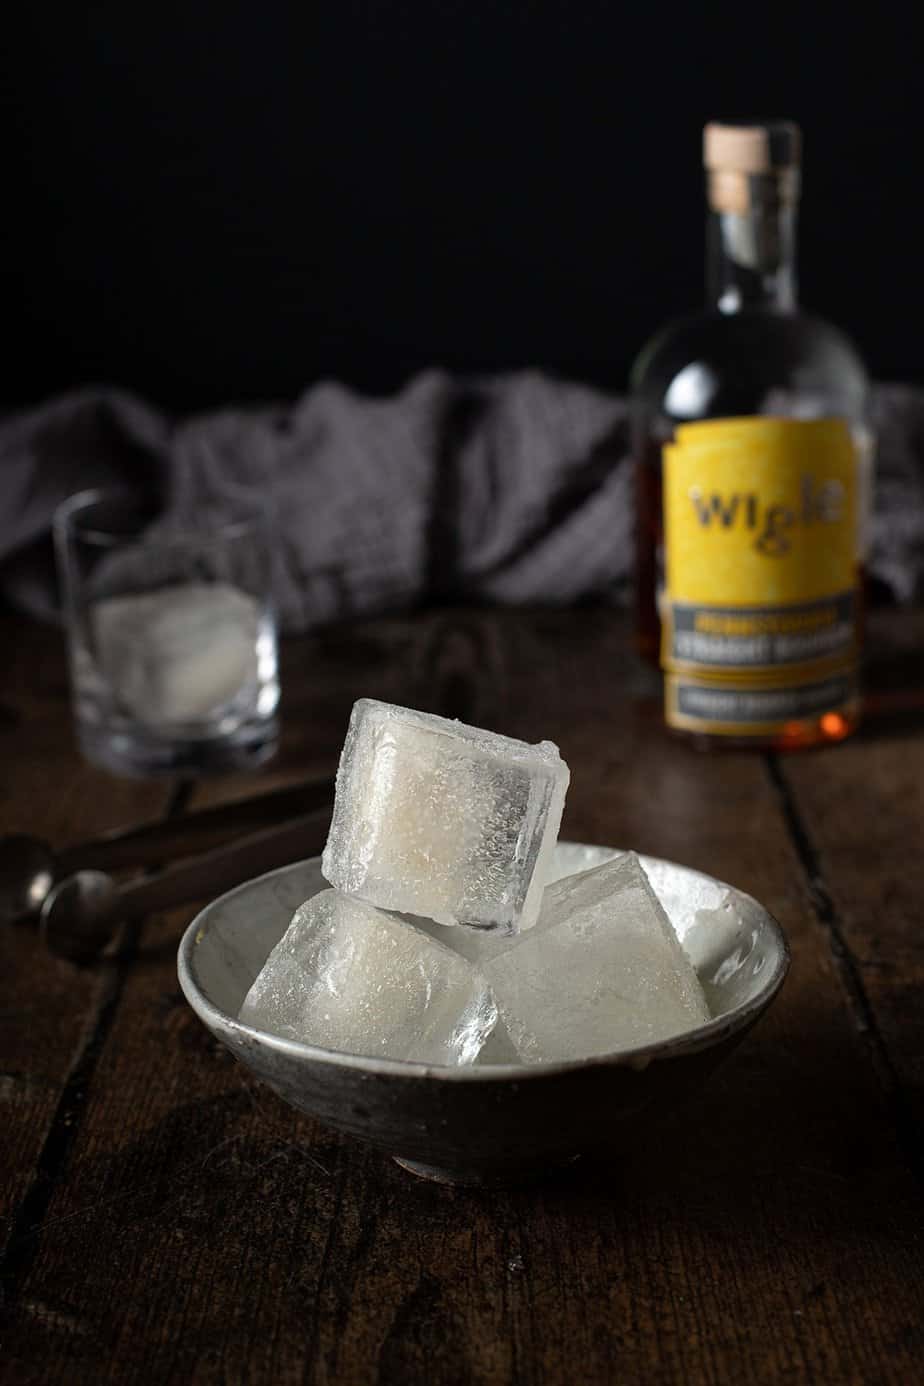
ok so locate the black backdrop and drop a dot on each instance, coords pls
(221, 200)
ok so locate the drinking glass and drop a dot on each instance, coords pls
(171, 635)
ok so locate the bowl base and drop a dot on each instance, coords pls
(492, 1177)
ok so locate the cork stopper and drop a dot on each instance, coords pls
(761, 147)
(751, 162)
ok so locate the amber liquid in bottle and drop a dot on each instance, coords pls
(751, 356)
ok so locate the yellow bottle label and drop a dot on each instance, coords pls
(761, 548)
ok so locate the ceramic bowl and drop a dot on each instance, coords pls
(494, 1122)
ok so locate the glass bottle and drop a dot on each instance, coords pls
(753, 465)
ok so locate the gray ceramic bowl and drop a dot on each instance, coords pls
(497, 1122)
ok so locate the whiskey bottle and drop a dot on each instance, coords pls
(753, 475)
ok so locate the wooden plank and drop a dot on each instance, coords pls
(860, 815)
(49, 1012)
(202, 1232)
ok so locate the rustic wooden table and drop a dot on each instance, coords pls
(167, 1220)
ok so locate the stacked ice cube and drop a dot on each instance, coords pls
(457, 825)
(438, 819)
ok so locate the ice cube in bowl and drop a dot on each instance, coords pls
(439, 819)
(349, 977)
(602, 970)
(493, 1122)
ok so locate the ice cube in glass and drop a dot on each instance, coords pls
(180, 654)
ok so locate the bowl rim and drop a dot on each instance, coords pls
(686, 1042)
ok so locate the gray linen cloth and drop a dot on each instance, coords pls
(512, 489)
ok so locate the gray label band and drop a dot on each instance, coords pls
(760, 637)
(713, 704)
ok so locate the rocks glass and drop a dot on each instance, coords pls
(171, 636)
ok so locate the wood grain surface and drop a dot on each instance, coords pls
(169, 1220)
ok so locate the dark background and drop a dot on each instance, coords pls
(213, 201)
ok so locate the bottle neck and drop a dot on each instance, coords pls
(751, 258)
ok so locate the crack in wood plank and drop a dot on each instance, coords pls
(65, 1124)
(30, 1216)
(847, 969)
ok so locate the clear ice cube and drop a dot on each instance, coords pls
(346, 976)
(601, 971)
(180, 654)
(443, 820)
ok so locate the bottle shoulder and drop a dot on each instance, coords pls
(753, 362)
